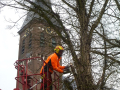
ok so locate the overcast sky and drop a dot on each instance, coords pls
(9, 44)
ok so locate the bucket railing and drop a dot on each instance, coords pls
(26, 79)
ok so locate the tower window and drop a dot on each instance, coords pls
(30, 41)
(23, 46)
(53, 42)
(42, 40)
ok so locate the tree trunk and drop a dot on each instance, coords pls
(85, 81)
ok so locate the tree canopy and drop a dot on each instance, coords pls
(90, 34)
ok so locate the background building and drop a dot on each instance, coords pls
(37, 39)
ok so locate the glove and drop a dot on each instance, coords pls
(65, 71)
(66, 67)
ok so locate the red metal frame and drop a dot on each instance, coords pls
(23, 77)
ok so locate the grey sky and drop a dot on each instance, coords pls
(8, 51)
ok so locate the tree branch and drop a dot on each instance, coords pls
(108, 40)
(98, 19)
(100, 53)
(68, 5)
(91, 6)
(117, 3)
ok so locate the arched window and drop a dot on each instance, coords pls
(23, 46)
(30, 41)
(53, 42)
(42, 39)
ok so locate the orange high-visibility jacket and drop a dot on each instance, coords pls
(53, 64)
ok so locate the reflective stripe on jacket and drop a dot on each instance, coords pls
(53, 64)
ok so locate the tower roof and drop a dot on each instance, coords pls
(31, 15)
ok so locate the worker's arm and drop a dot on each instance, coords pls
(54, 63)
(61, 67)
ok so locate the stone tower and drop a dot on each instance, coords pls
(37, 39)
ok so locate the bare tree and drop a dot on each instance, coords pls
(1, 5)
(89, 30)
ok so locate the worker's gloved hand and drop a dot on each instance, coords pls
(65, 71)
(66, 67)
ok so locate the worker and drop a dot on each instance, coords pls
(52, 63)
